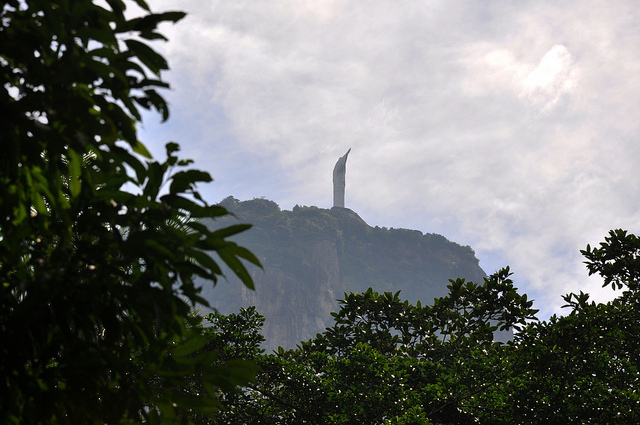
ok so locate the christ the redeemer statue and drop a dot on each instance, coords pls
(339, 173)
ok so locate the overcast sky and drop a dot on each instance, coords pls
(508, 126)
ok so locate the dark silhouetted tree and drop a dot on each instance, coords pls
(99, 243)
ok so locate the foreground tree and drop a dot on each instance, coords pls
(386, 361)
(583, 367)
(99, 243)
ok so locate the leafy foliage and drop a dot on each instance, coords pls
(386, 361)
(100, 244)
(585, 367)
(617, 260)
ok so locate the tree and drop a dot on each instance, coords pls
(99, 243)
(583, 367)
(387, 361)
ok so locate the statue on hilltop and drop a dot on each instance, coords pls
(339, 173)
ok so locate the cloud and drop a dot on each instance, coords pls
(552, 78)
(318, 10)
(494, 69)
(510, 127)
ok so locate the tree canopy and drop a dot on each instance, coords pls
(386, 361)
(100, 244)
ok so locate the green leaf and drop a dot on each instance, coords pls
(150, 22)
(248, 255)
(184, 181)
(75, 167)
(147, 56)
(159, 248)
(158, 102)
(143, 4)
(230, 231)
(189, 346)
(141, 149)
(204, 260)
(229, 256)
(155, 175)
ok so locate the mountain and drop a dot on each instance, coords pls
(312, 256)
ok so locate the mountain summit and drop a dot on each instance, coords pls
(312, 256)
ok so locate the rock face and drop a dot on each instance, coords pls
(312, 256)
(293, 313)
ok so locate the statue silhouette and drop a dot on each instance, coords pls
(339, 173)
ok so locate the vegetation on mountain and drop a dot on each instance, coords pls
(369, 256)
(100, 244)
(386, 259)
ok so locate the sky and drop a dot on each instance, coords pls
(511, 127)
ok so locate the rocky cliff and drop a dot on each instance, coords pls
(312, 256)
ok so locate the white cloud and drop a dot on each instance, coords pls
(494, 69)
(319, 10)
(552, 78)
(509, 127)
